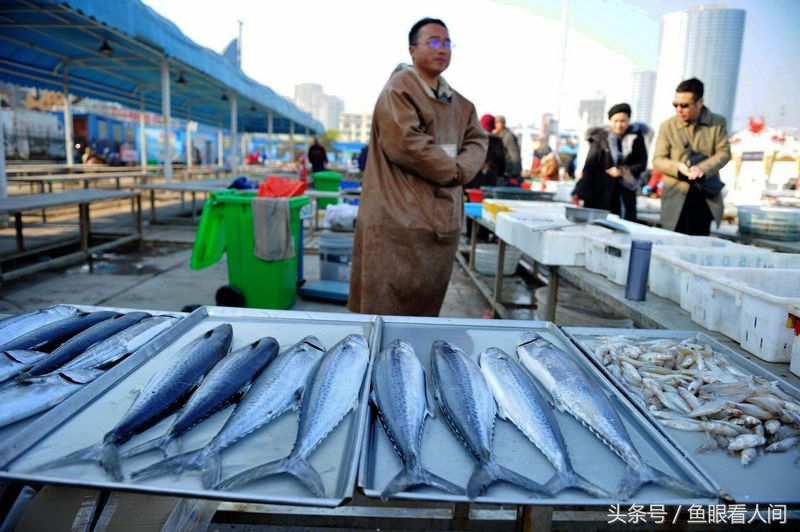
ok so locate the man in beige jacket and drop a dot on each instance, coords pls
(426, 143)
(684, 206)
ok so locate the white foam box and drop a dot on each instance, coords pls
(668, 264)
(749, 305)
(511, 226)
(491, 207)
(609, 255)
(794, 312)
(565, 246)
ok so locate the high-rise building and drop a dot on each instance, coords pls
(644, 88)
(592, 112)
(355, 127)
(310, 97)
(705, 43)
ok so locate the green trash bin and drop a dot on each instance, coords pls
(227, 226)
(329, 182)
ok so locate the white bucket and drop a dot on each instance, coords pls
(335, 257)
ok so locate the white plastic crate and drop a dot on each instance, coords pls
(794, 312)
(512, 226)
(668, 264)
(750, 305)
(609, 255)
(492, 207)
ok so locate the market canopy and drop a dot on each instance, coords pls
(116, 51)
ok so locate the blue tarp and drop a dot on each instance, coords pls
(41, 37)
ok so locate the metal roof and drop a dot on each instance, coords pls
(40, 39)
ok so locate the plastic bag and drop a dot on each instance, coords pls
(280, 187)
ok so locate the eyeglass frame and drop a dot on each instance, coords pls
(683, 105)
(446, 44)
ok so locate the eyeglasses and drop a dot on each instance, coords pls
(682, 105)
(435, 44)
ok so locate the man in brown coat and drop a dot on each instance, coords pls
(426, 143)
(684, 207)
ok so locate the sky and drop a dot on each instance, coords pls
(507, 55)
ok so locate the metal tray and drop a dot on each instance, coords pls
(86, 422)
(444, 455)
(771, 478)
(12, 433)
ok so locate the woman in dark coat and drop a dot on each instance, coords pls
(617, 157)
(495, 164)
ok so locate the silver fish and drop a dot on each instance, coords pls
(54, 333)
(469, 408)
(25, 400)
(521, 403)
(15, 326)
(398, 390)
(229, 377)
(115, 348)
(747, 456)
(784, 445)
(574, 391)
(332, 392)
(277, 390)
(14, 362)
(165, 389)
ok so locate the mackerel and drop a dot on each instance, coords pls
(52, 334)
(332, 392)
(14, 362)
(84, 340)
(277, 390)
(165, 389)
(15, 326)
(25, 400)
(398, 391)
(470, 410)
(577, 393)
(521, 403)
(229, 378)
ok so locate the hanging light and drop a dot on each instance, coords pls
(253, 108)
(181, 80)
(224, 97)
(105, 49)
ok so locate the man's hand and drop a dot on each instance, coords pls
(683, 169)
(695, 173)
(614, 172)
(576, 201)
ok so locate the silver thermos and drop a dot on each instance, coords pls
(638, 268)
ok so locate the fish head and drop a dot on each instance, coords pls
(314, 342)
(492, 355)
(357, 340)
(527, 337)
(80, 376)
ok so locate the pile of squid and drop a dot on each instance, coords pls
(688, 386)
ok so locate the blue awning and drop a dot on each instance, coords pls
(41, 38)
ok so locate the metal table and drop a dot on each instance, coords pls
(16, 205)
(192, 187)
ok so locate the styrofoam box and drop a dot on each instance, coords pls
(511, 226)
(749, 305)
(669, 263)
(794, 310)
(491, 207)
(609, 255)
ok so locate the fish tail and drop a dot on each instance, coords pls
(570, 479)
(191, 514)
(176, 464)
(487, 473)
(142, 448)
(295, 466)
(109, 459)
(636, 477)
(87, 454)
(418, 476)
(211, 469)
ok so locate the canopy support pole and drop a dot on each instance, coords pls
(142, 133)
(3, 178)
(220, 151)
(291, 139)
(235, 147)
(189, 146)
(166, 119)
(270, 118)
(308, 141)
(68, 142)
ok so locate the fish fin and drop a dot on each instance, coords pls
(502, 412)
(636, 477)
(297, 467)
(109, 459)
(709, 444)
(171, 446)
(25, 356)
(142, 448)
(570, 479)
(176, 464)
(419, 476)
(429, 408)
(211, 469)
(87, 454)
(487, 473)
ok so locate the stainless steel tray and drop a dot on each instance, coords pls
(10, 435)
(87, 422)
(771, 478)
(444, 455)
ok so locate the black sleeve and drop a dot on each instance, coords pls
(637, 160)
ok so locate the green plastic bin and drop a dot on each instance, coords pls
(227, 226)
(329, 182)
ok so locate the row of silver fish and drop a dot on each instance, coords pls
(471, 395)
(688, 386)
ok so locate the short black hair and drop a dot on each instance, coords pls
(412, 35)
(693, 85)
